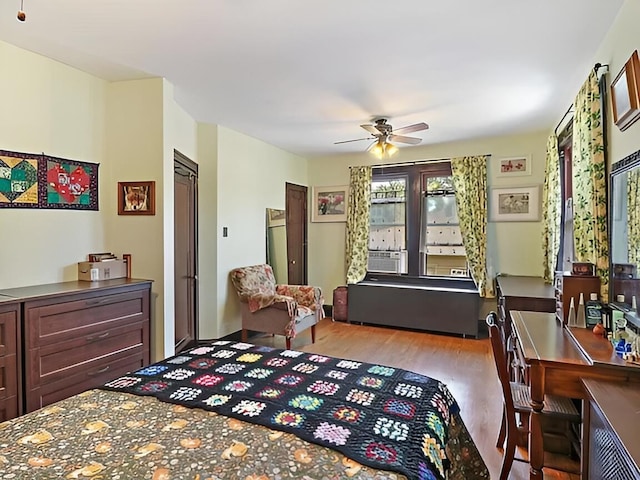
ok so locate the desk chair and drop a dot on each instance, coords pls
(517, 401)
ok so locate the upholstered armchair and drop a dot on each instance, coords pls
(275, 308)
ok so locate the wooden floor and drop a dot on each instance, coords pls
(464, 365)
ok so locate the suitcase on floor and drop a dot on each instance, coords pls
(340, 303)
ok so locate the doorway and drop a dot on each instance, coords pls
(296, 211)
(185, 189)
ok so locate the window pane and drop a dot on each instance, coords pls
(441, 240)
(388, 215)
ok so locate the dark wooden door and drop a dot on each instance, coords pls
(186, 248)
(296, 208)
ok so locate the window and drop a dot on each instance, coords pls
(414, 223)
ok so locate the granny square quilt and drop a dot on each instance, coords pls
(380, 416)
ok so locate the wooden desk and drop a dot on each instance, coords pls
(558, 360)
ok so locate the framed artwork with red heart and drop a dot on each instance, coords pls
(71, 184)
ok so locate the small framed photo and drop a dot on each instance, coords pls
(625, 93)
(515, 204)
(329, 204)
(137, 198)
(514, 166)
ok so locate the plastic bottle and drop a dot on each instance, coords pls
(593, 311)
(571, 319)
(581, 318)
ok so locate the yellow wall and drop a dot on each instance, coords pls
(51, 108)
(251, 178)
(507, 240)
(623, 38)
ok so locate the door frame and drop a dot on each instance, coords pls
(182, 162)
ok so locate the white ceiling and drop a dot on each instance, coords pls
(302, 75)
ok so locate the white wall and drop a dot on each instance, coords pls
(51, 108)
(622, 39)
(514, 247)
(251, 178)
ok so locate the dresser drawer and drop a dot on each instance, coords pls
(52, 362)
(9, 361)
(79, 380)
(75, 316)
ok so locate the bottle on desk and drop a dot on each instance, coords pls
(593, 311)
(581, 318)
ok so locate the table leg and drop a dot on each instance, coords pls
(536, 448)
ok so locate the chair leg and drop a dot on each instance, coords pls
(507, 456)
(245, 334)
(313, 334)
(288, 343)
(503, 430)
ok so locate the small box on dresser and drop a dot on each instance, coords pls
(10, 395)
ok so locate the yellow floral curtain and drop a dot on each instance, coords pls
(590, 183)
(633, 216)
(470, 185)
(551, 209)
(358, 218)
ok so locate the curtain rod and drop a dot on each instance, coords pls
(596, 68)
(415, 162)
(569, 110)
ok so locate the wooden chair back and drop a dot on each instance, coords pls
(500, 359)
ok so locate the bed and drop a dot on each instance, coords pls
(234, 410)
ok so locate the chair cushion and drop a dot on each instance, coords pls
(253, 280)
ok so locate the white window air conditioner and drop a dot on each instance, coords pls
(387, 262)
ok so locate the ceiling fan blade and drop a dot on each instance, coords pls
(402, 139)
(412, 128)
(356, 140)
(371, 129)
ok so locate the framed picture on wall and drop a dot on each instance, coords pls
(329, 204)
(515, 204)
(137, 198)
(625, 93)
(514, 166)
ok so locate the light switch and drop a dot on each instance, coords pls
(225, 232)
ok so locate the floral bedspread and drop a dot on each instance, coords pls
(113, 435)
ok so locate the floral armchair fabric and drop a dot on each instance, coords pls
(256, 286)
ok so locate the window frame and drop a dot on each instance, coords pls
(416, 176)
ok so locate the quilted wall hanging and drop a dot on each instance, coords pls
(30, 180)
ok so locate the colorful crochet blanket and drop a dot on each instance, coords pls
(384, 417)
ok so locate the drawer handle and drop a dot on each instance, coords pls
(95, 338)
(96, 302)
(98, 372)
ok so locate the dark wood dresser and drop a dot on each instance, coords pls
(9, 358)
(75, 336)
(613, 423)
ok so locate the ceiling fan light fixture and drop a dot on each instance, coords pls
(378, 149)
(390, 149)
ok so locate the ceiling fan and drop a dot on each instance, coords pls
(383, 134)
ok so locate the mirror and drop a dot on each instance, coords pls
(625, 229)
(276, 235)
